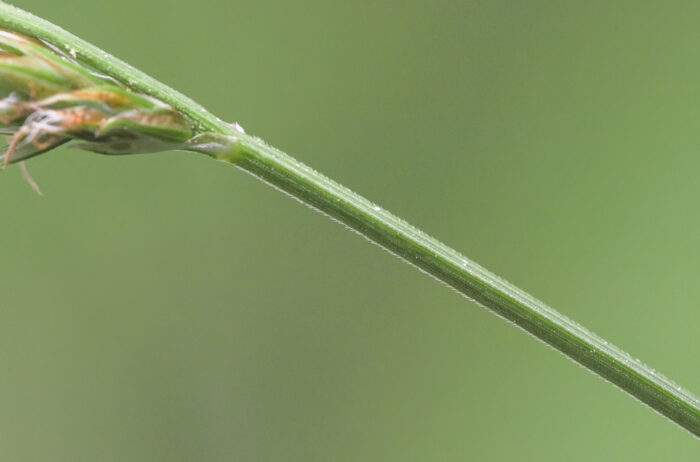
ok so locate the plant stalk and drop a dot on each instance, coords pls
(398, 237)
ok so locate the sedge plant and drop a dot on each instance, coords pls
(56, 88)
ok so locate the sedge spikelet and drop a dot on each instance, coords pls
(47, 99)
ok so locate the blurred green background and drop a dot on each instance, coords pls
(168, 307)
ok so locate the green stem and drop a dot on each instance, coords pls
(397, 236)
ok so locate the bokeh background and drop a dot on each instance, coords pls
(168, 307)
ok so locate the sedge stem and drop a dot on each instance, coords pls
(392, 233)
